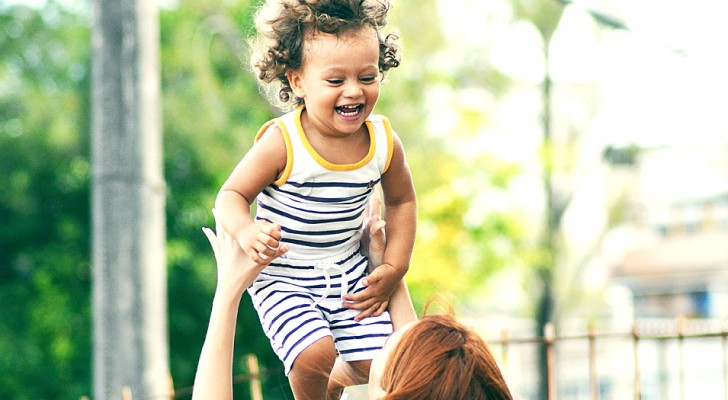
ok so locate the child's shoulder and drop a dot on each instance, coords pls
(383, 121)
(276, 125)
(377, 118)
(267, 128)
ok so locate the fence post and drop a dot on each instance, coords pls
(126, 393)
(170, 386)
(593, 377)
(256, 393)
(724, 341)
(681, 355)
(549, 339)
(636, 351)
(505, 338)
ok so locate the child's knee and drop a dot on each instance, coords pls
(361, 367)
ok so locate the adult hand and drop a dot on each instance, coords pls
(235, 272)
(373, 238)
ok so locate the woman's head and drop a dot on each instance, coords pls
(438, 358)
(285, 25)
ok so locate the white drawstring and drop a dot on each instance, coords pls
(326, 267)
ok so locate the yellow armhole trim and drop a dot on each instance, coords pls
(390, 142)
(289, 149)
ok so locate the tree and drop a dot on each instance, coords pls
(45, 276)
(545, 16)
(129, 285)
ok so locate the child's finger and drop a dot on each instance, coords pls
(270, 229)
(362, 305)
(281, 250)
(381, 309)
(370, 312)
(266, 251)
(372, 278)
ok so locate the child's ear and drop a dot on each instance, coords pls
(294, 79)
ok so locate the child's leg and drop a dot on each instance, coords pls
(347, 373)
(311, 370)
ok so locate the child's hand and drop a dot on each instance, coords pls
(373, 300)
(235, 270)
(261, 241)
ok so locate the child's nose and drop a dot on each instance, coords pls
(353, 89)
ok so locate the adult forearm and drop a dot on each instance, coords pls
(213, 379)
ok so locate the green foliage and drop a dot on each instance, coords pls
(44, 234)
(211, 110)
(544, 14)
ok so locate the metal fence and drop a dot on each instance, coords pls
(657, 359)
(676, 359)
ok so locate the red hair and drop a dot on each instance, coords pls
(438, 358)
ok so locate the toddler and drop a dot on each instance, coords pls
(312, 172)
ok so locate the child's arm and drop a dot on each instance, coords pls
(400, 214)
(235, 272)
(400, 305)
(259, 168)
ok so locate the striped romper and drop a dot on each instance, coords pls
(320, 208)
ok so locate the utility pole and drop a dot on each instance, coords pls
(130, 341)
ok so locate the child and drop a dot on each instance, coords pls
(313, 171)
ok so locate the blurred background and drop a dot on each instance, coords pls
(570, 160)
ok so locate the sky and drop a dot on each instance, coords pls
(662, 81)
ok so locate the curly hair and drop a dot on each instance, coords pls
(282, 27)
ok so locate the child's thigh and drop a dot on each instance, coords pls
(318, 358)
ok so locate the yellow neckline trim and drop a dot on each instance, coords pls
(328, 165)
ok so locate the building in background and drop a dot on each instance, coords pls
(678, 208)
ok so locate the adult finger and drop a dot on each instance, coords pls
(212, 239)
(375, 208)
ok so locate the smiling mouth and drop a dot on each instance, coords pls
(349, 111)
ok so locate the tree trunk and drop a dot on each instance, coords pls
(545, 302)
(128, 223)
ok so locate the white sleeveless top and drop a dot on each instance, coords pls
(320, 205)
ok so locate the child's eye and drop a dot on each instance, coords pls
(368, 79)
(335, 81)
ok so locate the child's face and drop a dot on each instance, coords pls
(338, 80)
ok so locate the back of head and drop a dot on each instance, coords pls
(440, 359)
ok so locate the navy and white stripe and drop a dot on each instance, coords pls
(320, 208)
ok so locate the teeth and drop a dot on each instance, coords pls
(348, 111)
